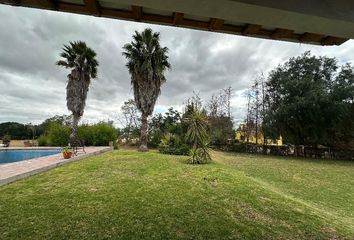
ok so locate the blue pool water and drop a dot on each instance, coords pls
(9, 156)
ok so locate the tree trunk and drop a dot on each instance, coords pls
(143, 133)
(73, 135)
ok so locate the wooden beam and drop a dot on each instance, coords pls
(311, 37)
(251, 29)
(48, 4)
(115, 13)
(231, 28)
(333, 40)
(177, 18)
(279, 33)
(137, 13)
(13, 2)
(215, 24)
(93, 7)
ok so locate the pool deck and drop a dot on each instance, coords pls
(10, 172)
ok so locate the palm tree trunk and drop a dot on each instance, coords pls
(73, 135)
(143, 133)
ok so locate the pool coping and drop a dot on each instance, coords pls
(58, 160)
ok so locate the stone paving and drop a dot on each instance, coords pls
(10, 172)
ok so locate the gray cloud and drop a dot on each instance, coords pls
(32, 88)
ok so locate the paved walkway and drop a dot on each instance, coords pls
(10, 172)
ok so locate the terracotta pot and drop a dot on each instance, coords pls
(67, 155)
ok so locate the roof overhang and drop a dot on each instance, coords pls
(321, 22)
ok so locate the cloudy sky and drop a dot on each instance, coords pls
(32, 88)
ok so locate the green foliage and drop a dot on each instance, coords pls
(237, 147)
(160, 125)
(58, 135)
(99, 134)
(103, 133)
(200, 155)
(6, 140)
(115, 145)
(43, 140)
(67, 150)
(197, 135)
(220, 130)
(16, 130)
(172, 144)
(309, 102)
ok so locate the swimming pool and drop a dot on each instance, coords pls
(12, 155)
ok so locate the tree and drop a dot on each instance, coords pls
(219, 117)
(83, 64)
(309, 102)
(147, 63)
(130, 119)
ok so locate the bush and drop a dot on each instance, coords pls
(58, 135)
(199, 155)
(6, 140)
(238, 147)
(42, 140)
(103, 134)
(99, 134)
(172, 144)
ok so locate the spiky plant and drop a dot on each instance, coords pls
(197, 135)
(81, 59)
(147, 63)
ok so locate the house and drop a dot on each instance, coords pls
(244, 135)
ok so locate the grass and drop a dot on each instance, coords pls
(132, 195)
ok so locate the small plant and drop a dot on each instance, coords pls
(6, 140)
(172, 144)
(200, 155)
(67, 152)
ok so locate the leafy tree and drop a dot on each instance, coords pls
(147, 62)
(83, 64)
(308, 101)
(16, 130)
(160, 125)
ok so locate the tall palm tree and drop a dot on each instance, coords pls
(83, 64)
(147, 62)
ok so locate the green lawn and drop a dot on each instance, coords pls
(131, 195)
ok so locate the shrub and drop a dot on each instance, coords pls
(238, 147)
(42, 140)
(99, 134)
(172, 144)
(6, 140)
(103, 133)
(58, 135)
(200, 155)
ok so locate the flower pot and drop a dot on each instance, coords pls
(67, 155)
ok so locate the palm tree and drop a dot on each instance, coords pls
(83, 64)
(147, 62)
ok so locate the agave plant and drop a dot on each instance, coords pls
(81, 59)
(147, 63)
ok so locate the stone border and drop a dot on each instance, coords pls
(51, 166)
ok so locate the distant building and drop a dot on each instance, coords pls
(245, 135)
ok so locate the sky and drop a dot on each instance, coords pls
(32, 87)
